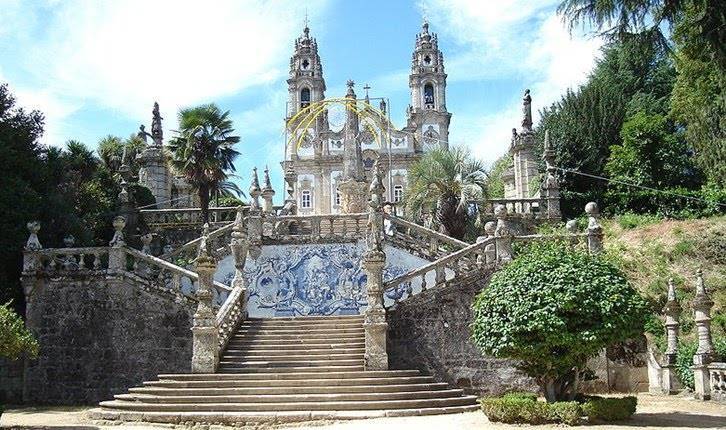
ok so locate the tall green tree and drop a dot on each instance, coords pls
(203, 150)
(644, 21)
(445, 180)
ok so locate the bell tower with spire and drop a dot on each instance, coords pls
(305, 83)
(427, 114)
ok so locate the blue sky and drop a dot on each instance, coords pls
(96, 67)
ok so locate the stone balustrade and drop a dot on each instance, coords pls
(418, 240)
(313, 228)
(186, 217)
(530, 207)
(718, 381)
(66, 260)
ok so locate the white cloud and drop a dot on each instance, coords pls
(522, 40)
(123, 55)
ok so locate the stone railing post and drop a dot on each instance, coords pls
(374, 260)
(205, 335)
(239, 248)
(672, 312)
(702, 305)
(117, 254)
(254, 221)
(503, 235)
(267, 194)
(594, 229)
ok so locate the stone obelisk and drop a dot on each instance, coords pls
(353, 187)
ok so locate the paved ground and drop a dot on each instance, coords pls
(654, 412)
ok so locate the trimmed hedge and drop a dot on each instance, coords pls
(610, 409)
(523, 408)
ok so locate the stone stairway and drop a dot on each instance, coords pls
(284, 370)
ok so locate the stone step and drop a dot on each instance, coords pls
(274, 417)
(291, 406)
(289, 383)
(290, 369)
(292, 398)
(247, 364)
(295, 344)
(315, 373)
(291, 352)
(302, 389)
(300, 325)
(294, 356)
(311, 318)
(246, 336)
(340, 331)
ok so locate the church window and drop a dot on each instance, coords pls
(306, 201)
(337, 197)
(427, 60)
(429, 95)
(305, 97)
(305, 64)
(397, 193)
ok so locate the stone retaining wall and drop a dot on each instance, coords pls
(100, 335)
(430, 332)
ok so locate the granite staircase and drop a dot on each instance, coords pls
(288, 369)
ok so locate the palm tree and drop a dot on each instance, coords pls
(112, 149)
(202, 150)
(445, 180)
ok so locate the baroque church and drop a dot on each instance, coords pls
(313, 164)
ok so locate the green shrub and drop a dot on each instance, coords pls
(610, 409)
(15, 339)
(523, 408)
(564, 412)
(552, 309)
(684, 358)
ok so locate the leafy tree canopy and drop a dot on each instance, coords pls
(552, 309)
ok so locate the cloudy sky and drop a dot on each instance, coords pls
(96, 67)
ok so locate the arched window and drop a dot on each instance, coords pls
(429, 95)
(305, 97)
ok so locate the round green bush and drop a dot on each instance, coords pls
(552, 309)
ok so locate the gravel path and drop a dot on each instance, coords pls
(654, 412)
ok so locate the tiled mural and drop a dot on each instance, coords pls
(294, 280)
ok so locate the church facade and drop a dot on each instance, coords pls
(315, 148)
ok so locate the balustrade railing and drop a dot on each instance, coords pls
(219, 242)
(314, 228)
(186, 217)
(230, 315)
(59, 260)
(717, 373)
(456, 265)
(418, 240)
(530, 206)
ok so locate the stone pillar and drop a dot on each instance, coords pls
(353, 188)
(503, 235)
(205, 333)
(267, 194)
(550, 186)
(117, 254)
(239, 248)
(672, 312)
(594, 229)
(702, 305)
(374, 260)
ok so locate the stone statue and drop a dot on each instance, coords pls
(527, 111)
(156, 132)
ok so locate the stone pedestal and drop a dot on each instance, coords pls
(353, 196)
(154, 174)
(205, 334)
(375, 325)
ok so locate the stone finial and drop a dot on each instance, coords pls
(672, 312)
(239, 247)
(123, 195)
(146, 240)
(267, 193)
(350, 93)
(489, 228)
(702, 305)
(268, 183)
(527, 112)
(33, 244)
(255, 191)
(118, 240)
(571, 226)
(69, 241)
(594, 229)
